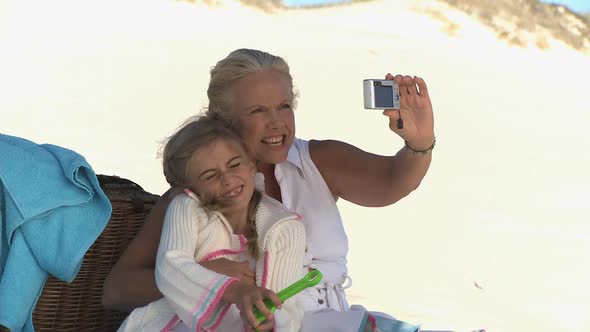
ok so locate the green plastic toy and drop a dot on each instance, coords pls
(311, 279)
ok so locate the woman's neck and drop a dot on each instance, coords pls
(267, 169)
(271, 186)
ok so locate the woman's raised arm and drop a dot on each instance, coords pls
(372, 180)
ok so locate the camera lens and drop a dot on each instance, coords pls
(376, 83)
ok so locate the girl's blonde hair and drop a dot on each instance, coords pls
(235, 66)
(196, 133)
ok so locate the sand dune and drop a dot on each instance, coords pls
(497, 235)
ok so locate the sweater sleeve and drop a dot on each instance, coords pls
(193, 291)
(282, 264)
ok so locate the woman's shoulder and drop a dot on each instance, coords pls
(317, 150)
(327, 154)
(325, 146)
(320, 149)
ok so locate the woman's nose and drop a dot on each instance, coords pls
(276, 120)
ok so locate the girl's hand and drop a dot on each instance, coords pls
(238, 270)
(246, 296)
(415, 111)
(267, 325)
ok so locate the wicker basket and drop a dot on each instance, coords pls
(77, 306)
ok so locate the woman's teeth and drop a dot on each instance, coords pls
(277, 140)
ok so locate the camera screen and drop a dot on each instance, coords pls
(383, 96)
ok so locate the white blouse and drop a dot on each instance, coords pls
(304, 191)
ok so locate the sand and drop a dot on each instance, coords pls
(496, 237)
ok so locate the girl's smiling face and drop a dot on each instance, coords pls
(222, 172)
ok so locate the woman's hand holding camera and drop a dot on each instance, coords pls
(415, 112)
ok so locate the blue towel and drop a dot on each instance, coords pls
(51, 211)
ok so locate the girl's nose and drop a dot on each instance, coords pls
(225, 178)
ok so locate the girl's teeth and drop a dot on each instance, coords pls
(233, 193)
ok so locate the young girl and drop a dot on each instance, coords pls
(221, 215)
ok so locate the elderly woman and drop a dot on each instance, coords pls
(253, 90)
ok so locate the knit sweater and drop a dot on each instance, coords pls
(192, 293)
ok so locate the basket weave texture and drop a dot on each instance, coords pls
(77, 306)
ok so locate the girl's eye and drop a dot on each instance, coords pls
(234, 165)
(211, 176)
(287, 106)
(256, 110)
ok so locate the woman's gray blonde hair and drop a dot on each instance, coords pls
(235, 66)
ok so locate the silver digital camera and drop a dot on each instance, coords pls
(380, 94)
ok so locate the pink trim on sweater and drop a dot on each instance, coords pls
(243, 239)
(204, 296)
(220, 318)
(202, 300)
(221, 252)
(213, 303)
(175, 319)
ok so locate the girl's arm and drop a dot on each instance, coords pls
(132, 283)
(200, 297)
(282, 254)
(372, 180)
(281, 265)
(193, 291)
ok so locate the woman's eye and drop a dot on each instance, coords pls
(256, 110)
(211, 176)
(234, 165)
(286, 106)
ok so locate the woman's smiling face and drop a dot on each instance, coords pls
(262, 103)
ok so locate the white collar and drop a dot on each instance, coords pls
(294, 158)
